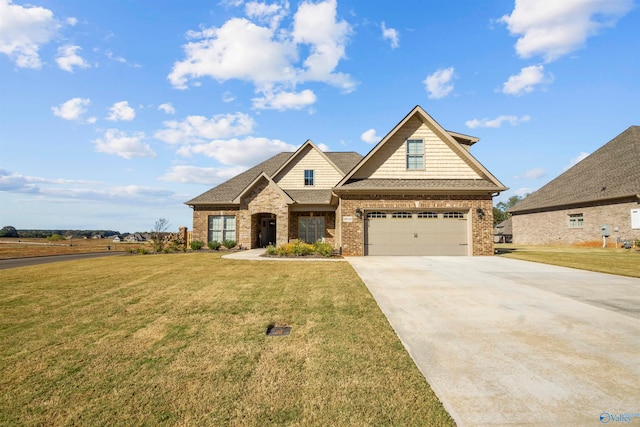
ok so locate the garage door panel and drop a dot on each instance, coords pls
(416, 236)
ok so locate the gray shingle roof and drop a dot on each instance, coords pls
(229, 190)
(316, 197)
(611, 172)
(226, 192)
(345, 161)
(420, 184)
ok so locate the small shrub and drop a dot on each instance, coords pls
(132, 250)
(271, 250)
(55, 237)
(142, 251)
(637, 243)
(302, 249)
(214, 245)
(196, 245)
(229, 244)
(324, 249)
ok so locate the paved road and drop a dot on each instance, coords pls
(507, 342)
(23, 262)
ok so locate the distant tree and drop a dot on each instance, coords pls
(9, 231)
(158, 232)
(500, 210)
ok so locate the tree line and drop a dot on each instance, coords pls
(9, 231)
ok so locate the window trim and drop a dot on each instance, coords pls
(427, 215)
(318, 233)
(453, 215)
(576, 221)
(401, 215)
(309, 177)
(222, 230)
(376, 215)
(410, 155)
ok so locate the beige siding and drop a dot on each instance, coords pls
(325, 175)
(441, 160)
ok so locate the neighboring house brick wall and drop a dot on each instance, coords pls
(481, 229)
(552, 227)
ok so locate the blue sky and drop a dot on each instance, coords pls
(114, 113)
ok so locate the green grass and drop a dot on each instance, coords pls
(624, 262)
(180, 340)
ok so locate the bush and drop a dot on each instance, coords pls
(196, 245)
(324, 249)
(55, 237)
(229, 244)
(214, 245)
(142, 251)
(271, 250)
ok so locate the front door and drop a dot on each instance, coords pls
(268, 232)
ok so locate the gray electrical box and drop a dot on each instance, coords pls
(606, 230)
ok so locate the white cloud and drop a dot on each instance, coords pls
(270, 14)
(439, 83)
(534, 173)
(228, 97)
(392, 35)
(23, 30)
(553, 29)
(526, 81)
(72, 109)
(196, 175)
(370, 137)
(167, 108)
(244, 152)
(269, 56)
(122, 144)
(68, 58)
(197, 129)
(575, 160)
(121, 111)
(285, 100)
(497, 122)
(71, 21)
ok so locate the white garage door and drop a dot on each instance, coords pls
(416, 233)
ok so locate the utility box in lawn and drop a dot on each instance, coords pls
(606, 230)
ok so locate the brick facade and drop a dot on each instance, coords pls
(481, 229)
(201, 220)
(552, 227)
(329, 223)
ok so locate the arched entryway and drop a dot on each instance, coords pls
(264, 226)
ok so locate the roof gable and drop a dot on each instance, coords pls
(308, 156)
(445, 156)
(261, 177)
(611, 172)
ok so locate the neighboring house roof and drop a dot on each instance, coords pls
(457, 142)
(611, 172)
(504, 228)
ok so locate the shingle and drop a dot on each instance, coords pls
(310, 196)
(421, 184)
(612, 171)
(345, 161)
(229, 190)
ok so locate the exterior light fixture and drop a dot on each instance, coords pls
(359, 213)
(480, 213)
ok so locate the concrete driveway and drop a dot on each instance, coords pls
(506, 342)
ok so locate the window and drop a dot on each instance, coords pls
(376, 215)
(308, 177)
(401, 215)
(415, 154)
(310, 228)
(222, 227)
(428, 215)
(576, 221)
(453, 215)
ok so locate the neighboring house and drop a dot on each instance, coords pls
(503, 232)
(601, 190)
(419, 191)
(117, 239)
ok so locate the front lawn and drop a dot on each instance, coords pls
(624, 262)
(180, 339)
